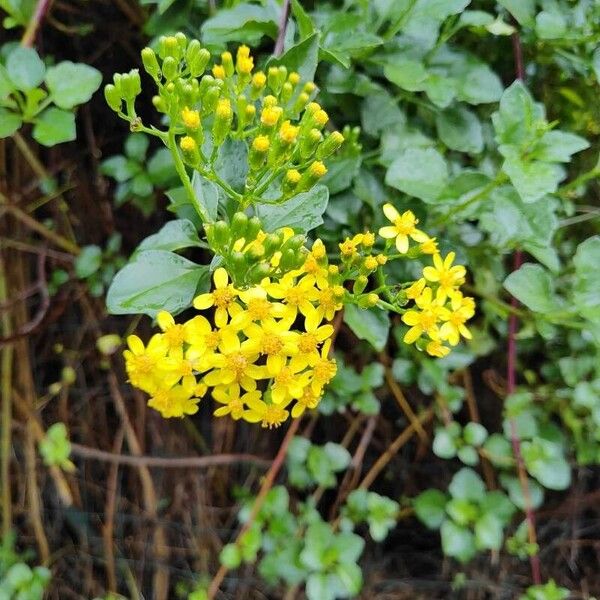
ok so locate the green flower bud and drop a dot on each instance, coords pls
(205, 84)
(255, 253)
(273, 79)
(295, 242)
(332, 143)
(159, 104)
(290, 181)
(113, 97)
(210, 100)
(310, 142)
(360, 283)
(181, 41)
(197, 58)
(258, 151)
(288, 259)
(227, 63)
(131, 85)
(169, 47)
(259, 79)
(190, 150)
(150, 63)
(254, 226)
(272, 243)
(237, 261)
(301, 102)
(223, 120)
(220, 234)
(258, 272)
(239, 224)
(170, 68)
(316, 170)
(286, 92)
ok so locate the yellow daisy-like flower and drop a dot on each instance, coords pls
(416, 289)
(289, 383)
(142, 362)
(324, 369)
(177, 401)
(272, 339)
(201, 336)
(309, 342)
(437, 349)
(234, 364)
(258, 308)
(462, 309)
(222, 297)
(403, 228)
(447, 277)
(269, 415)
(233, 403)
(296, 296)
(180, 364)
(425, 320)
(309, 400)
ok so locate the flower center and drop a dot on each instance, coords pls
(404, 226)
(237, 362)
(324, 370)
(212, 339)
(274, 416)
(308, 343)
(271, 344)
(294, 296)
(174, 335)
(223, 297)
(144, 364)
(259, 308)
(284, 377)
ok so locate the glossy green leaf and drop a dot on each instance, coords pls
(55, 126)
(71, 84)
(372, 325)
(25, 68)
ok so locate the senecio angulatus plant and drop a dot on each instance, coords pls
(261, 343)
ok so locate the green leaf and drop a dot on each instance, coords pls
(468, 455)
(462, 512)
(380, 112)
(232, 162)
(339, 457)
(587, 282)
(341, 174)
(302, 58)
(71, 84)
(372, 325)
(302, 212)
(156, 280)
(533, 179)
(54, 126)
(558, 146)
(550, 25)
(443, 444)
(88, 261)
(350, 575)
(174, 235)
(532, 285)
(474, 434)
(9, 123)
(457, 542)
(6, 85)
(120, 168)
(522, 10)
(25, 68)
(430, 507)
(515, 492)
(305, 24)
(206, 194)
(318, 587)
(244, 23)
(136, 146)
(479, 85)
(406, 73)
(546, 462)
(460, 129)
(419, 172)
(488, 532)
(467, 485)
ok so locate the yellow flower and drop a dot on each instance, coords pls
(435, 348)
(288, 383)
(425, 320)
(324, 369)
(229, 396)
(177, 401)
(447, 277)
(348, 248)
(429, 247)
(295, 296)
(190, 118)
(201, 336)
(416, 289)
(329, 301)
(244, 62)
(309, 399)
(404, 226)
(269, 415)
(180, 364)
(218, 71)
(222, 297)
(309, 341)
(142, 362)
(234, 364)
(258, 308)
(272, 339)
(462, 309)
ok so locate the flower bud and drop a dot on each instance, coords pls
(272, 243)
(258, 272)
(259, 79)
(249, 114)
(269, 101)
(239, 224)
(227, 62)
(273, 79)
(113, 97)
(286, 92)
(258, 151)
(316, 170)
(191, 119)
(181, 41)
(190, 151)
(294, 78)
(206, 83)
(237, 260)
(332, 144)
(170, 68)
(223, 120)
(219, 72)
(301, 102)
(310, 143)
(360, 283)
(370, 264)
(168, 46)
(269, 117)
(288, 259)
(210, 99)
(368, 300)
(288, 133)
(131, 85)
(218, 235)
(244, 62)
(381, 259)
(196, 58)
(150, 63)
(290, 181)
(253, 228)
(309, 87)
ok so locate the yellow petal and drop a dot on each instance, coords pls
(389, 232)
(135, 344)
(165, 320)
(203, 301)
(402, 243)
(413, 334)
(390, 212)
(411, 317)
(431, 274)
(221, 278)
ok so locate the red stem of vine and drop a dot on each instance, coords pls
(511, 370)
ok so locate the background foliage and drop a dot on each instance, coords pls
(481, 117)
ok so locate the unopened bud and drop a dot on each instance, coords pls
(360, 283)
(259, 79)
(190, 151)
(301, 102)
(196, 58)
(294, 78)
(258, 151)
(170, 68)
(239, 224)
(219, 72)
(131, 85)
(191, 119)
(290, 180)
(286, 92)
(332, 144)
(227, 62)
(223, 119)
(368, 300)
(113, 97)
(210, 99)
(270, 116)
(150, 63)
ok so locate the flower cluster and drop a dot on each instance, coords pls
(440, 310)
(260, 365)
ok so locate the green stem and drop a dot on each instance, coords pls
(185, 179)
